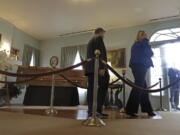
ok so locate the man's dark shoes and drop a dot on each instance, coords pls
(89, 115)
(102, 115)
(99, 115)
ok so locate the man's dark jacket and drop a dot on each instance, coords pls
(94, 44)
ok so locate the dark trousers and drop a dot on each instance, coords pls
(174, 97)
(102, 92)
(137, 97)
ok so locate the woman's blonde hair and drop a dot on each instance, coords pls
(140, 35)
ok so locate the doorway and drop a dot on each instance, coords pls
(166, 48)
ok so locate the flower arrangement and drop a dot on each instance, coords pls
(5, 64)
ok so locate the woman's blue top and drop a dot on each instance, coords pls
(141, 53)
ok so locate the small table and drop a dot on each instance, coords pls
(112, 100)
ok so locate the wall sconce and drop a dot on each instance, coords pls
(6, 48)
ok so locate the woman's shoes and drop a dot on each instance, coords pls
(151, 114)
(132, 115)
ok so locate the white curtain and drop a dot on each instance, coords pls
(27, 55)
(68, 54)
(82, 51)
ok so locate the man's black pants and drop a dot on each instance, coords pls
(174, 97)
(138, 97)
(102, 92)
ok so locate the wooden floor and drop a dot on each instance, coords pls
(15, 121)
(78, 114)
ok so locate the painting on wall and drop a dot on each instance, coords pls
(117, 58)
(14, 53)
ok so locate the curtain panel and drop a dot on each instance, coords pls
(27, 55)
(68, 54)
(82, 51)
(37, 57)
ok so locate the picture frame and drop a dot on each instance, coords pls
(14, 53)
(54, 61)
(117, 58)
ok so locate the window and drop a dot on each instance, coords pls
(78, 60)
(168, 34)
(165, 54)
(82, 92)
(156, 71)
(32, 62)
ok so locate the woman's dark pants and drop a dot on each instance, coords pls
(138, 97)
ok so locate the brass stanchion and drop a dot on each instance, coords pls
(51, 110)
(123, 110)
(161, 97)
(94, 120)
(8, 95)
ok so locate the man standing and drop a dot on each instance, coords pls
(97, 43)
(174, 74)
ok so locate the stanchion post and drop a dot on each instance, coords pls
(160, 85)
(124, 93)
(51, 110)
(94, 120)
(161, 97)
(7, 95)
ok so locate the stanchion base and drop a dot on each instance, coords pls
(94, 122)
(51, 111)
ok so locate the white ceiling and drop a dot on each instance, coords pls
(46, 19)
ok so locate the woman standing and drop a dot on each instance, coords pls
(140, 62)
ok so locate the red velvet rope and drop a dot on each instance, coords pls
(152, 86)
(43, 74)
(73, 83)
(138, 87)
(19, 82)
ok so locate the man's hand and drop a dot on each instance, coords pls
(102, 72)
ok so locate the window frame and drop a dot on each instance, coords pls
(160, 33)
(158, 43)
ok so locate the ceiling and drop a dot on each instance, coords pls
(45, 19)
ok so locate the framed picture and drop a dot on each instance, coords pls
(117, 58)
(54, 61)
(14, 53)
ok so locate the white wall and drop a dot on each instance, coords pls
(117, 38)
(17, 39)
(20, 39)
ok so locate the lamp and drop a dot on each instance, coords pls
(5, 47)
